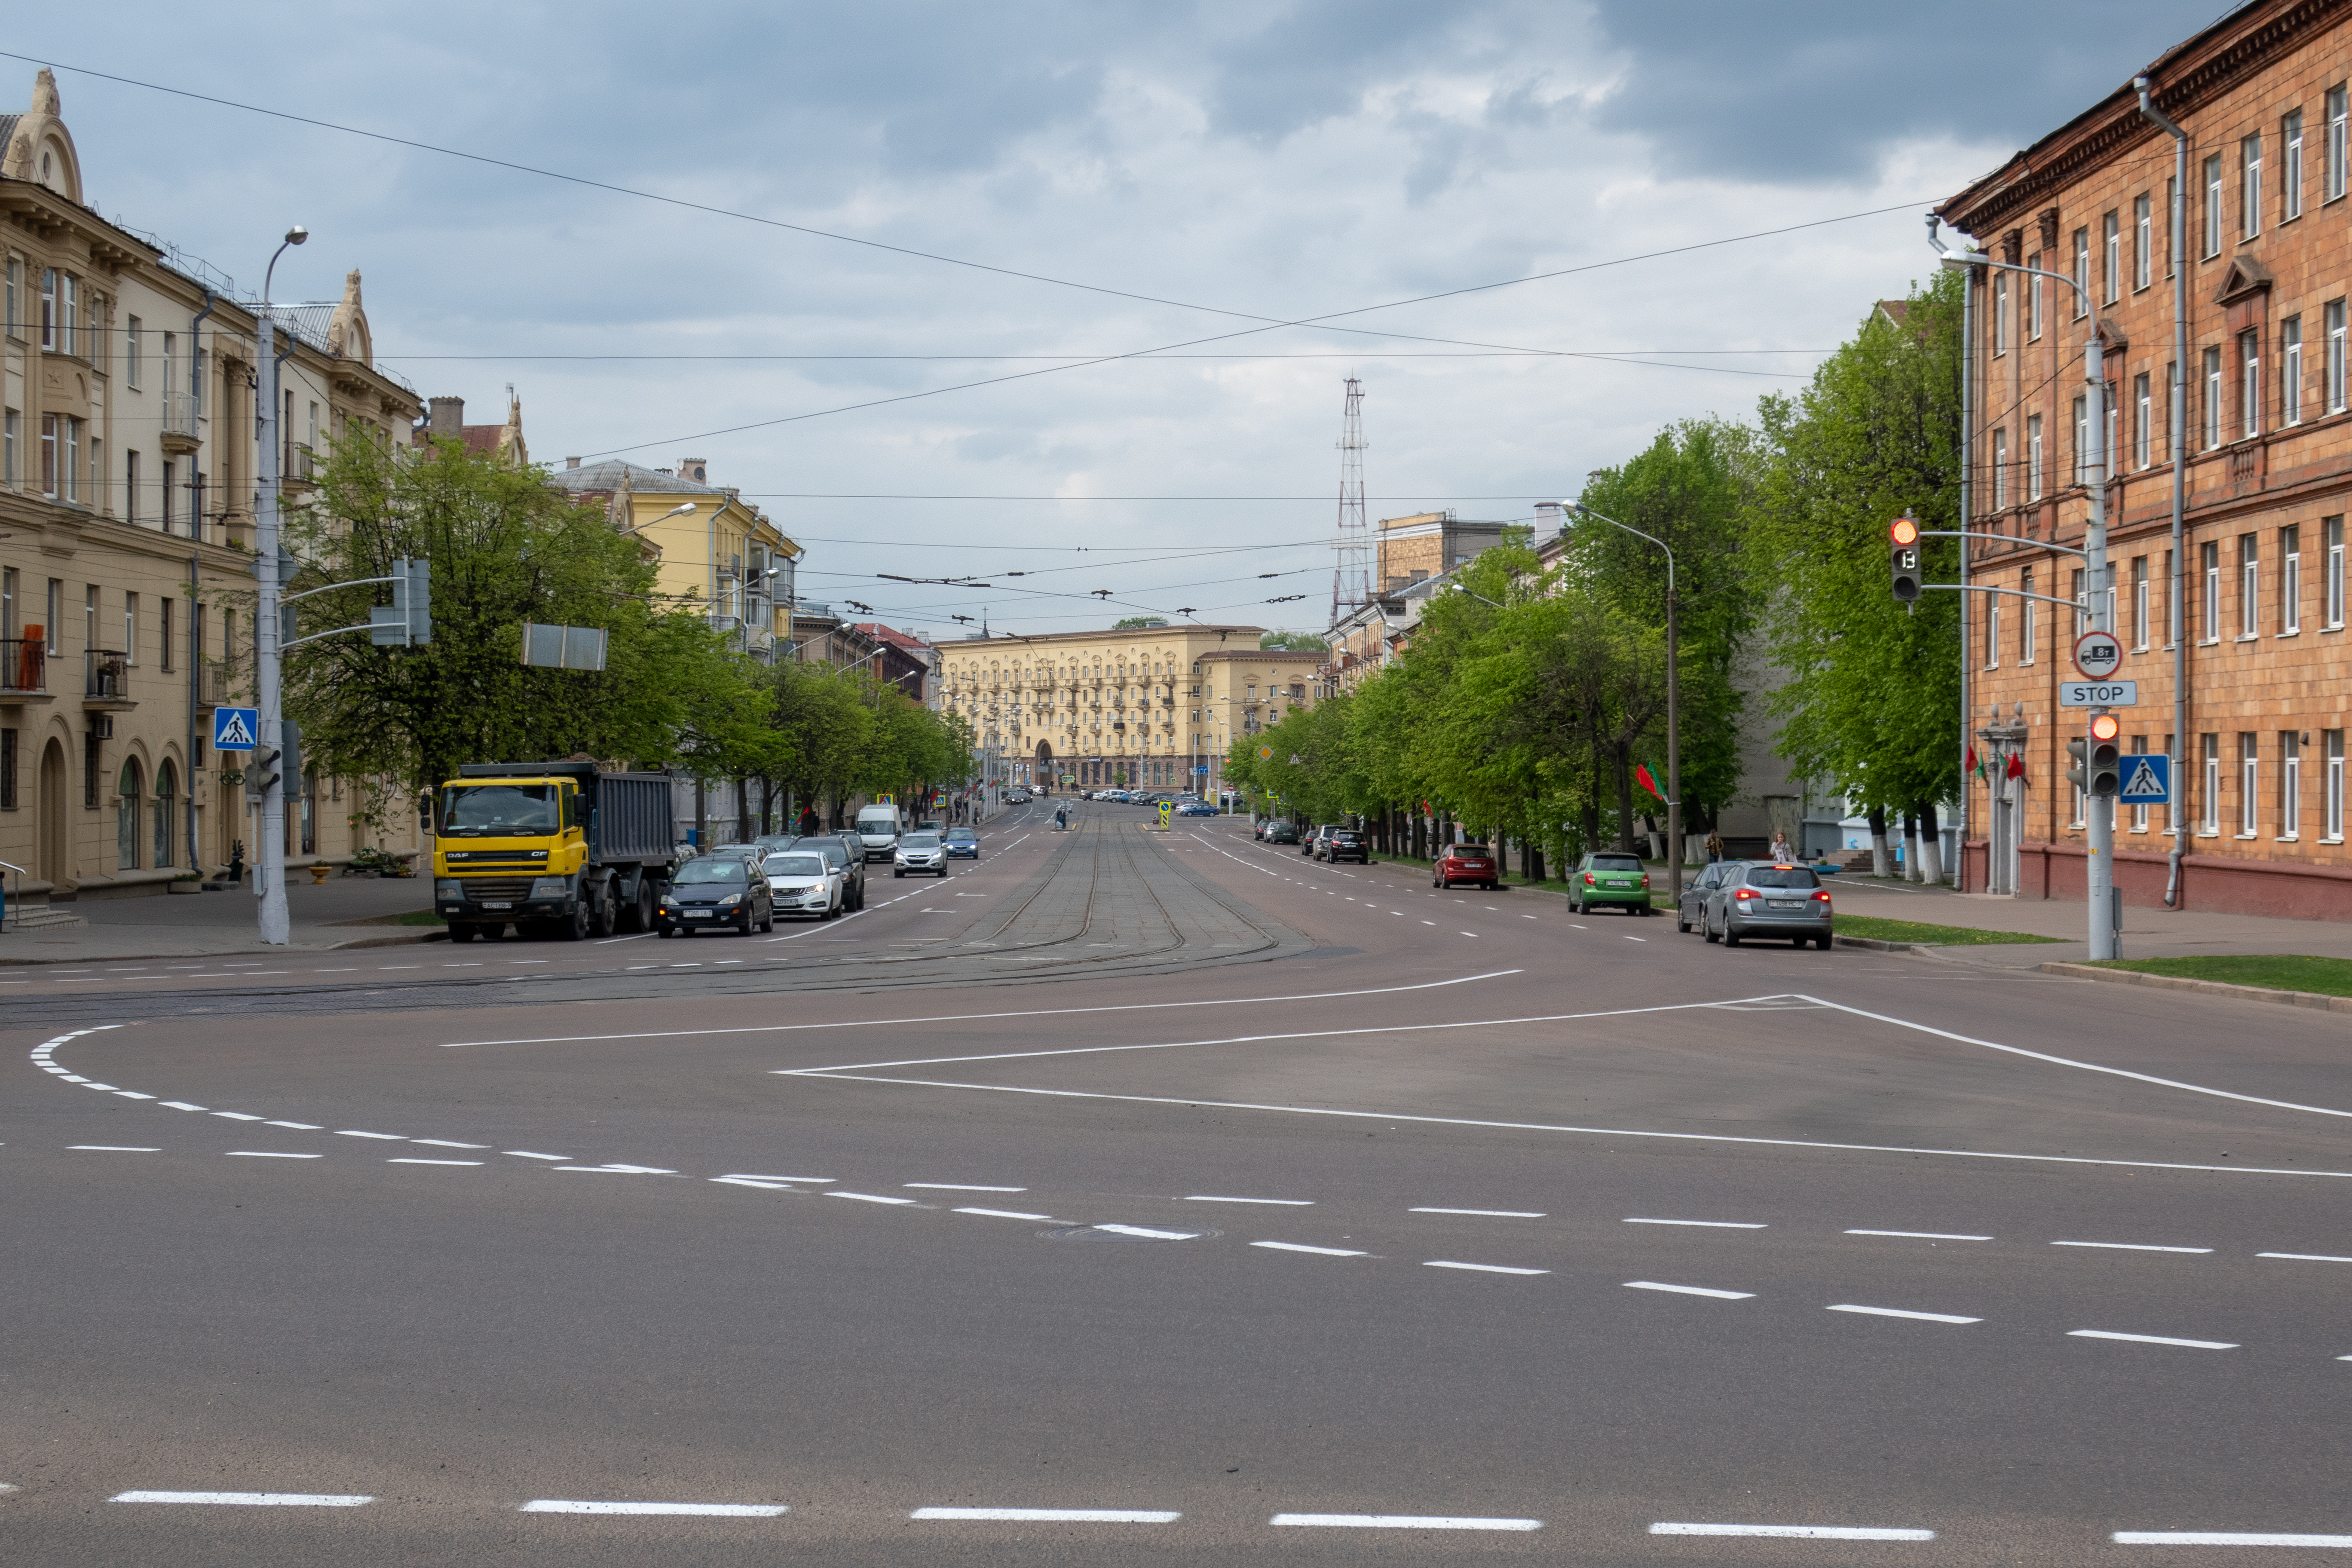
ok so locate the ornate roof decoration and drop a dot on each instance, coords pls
(36, 146)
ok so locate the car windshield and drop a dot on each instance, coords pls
(719, 868)
(1781, 876)
(795, 866)
(1462, 850)
(772, 842)
(498, 810)
(921, 841)
(1616, 863)
(963, 836)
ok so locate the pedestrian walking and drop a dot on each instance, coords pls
(1713, 847)
(809, 823)
(1782, 849)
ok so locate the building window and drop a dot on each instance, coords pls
(2336, 148)
(2082, 441)
(2212, 398)
(2249, 383)
(2335, 356)
(2139, 604)
(2249, 781)
(14, 312)
(48, 310)
(2111, 256)
(2082, 603)
(167, 815)
(164, 643)
(2143, 240)
(2082, 273)
(130, 344)
(2029, 613)
(2291, 165)
(2037, 292)
(2335, 784)
(2250, 188)
(9, 419)
(2000, 315)
(2143, 423)
(1992, 632)
(2210, 559)
(2289, 581)
(2213, 206)
(163, 512)
(2333, 590)
(2290, 784)
(2290, 370)
(2000, 470)
(2171, 608)
(130, 487)
(131, 628)
(2249, 583)
(2210, 746)
(2034, 457)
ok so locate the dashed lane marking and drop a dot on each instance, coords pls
(1483, 1268)
(1924, 1235)
(1401, 1521)
(1053, 1515)
(1898, 1312)
(2150, 1340)
(1797, 1531)
(704, 1509)
(249, 1499)
(1691, 1290)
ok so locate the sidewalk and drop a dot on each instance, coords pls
(319, 917)
(2147, 932)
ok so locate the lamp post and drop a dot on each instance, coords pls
(1673, 708)
(269, 866)
(2099, 863)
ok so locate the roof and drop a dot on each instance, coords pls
(607, 475)
(1178, 629)
(896, 639)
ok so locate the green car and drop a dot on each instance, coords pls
(1607, 880)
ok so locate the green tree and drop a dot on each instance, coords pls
(1294, 642)
(505, 547)
(1872, 685)
(1138, 623)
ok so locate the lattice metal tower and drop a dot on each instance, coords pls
(1352, 571)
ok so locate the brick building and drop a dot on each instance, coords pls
(2267, 470)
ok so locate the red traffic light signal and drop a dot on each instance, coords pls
(1903, 532)
(2105, 727)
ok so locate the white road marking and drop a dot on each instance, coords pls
(1318, 1251)
(1796, 1531)
(1920, 1234)
(447, 1143)
(268, 1154)
(804, 1181)
(388, 1137)
(1489, 1214)
(2224, 1538)
(113, 1149)
(2129, 1247)
(869, 1198)
(297, 1126)
(2304, 1257)
(1402, 1522)
(132, 1094)
(2150, 1340)
(1691, 1290)
(249, 1499)
(1709, 1223)
(961, 1187)
(1053, 1515)
(1005, 1214)
(751, 1182)
(1898, 1312)
(417, 1160)
(1149, 1235)
(1282, 1203)
(717, 1510)
(528, 1155)
(1483, 1268)
(616, 1170)
(1637, 939)
(181, 1105)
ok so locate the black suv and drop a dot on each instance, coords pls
(1338, 844)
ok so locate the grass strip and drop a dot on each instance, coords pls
(1880, 929)
(2270, 971)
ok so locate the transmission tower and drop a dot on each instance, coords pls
(1352, 571)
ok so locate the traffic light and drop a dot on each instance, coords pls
(420, 602)
(2107, 756)
(1905, 532)
(2079, 775)
(409, 622)
(262, 772)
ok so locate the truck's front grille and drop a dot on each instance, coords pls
(496, 890)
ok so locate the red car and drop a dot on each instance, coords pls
(1471, 863)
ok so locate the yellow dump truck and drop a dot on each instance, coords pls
(563, 850)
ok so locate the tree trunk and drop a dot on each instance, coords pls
(1910, 847)
(1931, 845)
(701, 817)
(1878, 867)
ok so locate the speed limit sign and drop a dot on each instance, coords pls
(2098, 655)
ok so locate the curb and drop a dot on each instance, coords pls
(14, 961)
(1878, 944)
(2209, 987)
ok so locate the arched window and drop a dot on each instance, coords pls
(126, 817)
(167, 812)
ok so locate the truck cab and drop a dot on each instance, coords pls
(878, 829)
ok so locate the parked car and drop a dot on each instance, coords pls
(962, 844)
(1471, 863)
(1344, 844)
(919, 852)
(1691, 909)
(1196, 808)
(847, 854)
(712, 890)
(1281, 832)
(1765, 898)
(804, 882)
(1313, 841)
(769, 843)
(1609, 880)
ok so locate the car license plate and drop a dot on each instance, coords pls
(497, 906)
(698, 915)
(1786, 903)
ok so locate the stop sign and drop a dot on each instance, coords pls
(2098, 655)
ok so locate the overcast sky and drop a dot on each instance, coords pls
(1233, 163)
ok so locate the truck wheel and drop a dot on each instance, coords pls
(573, 926)
(463, 932)
(604, 914)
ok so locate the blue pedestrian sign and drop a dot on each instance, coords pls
(236, 728)
(2147, 780)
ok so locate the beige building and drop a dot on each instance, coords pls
(724, 556)
(128, 462)
(1146, 707)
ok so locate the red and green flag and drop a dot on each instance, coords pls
(1647, 780)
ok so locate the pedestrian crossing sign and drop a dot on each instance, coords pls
(236, 728)
(2147, 780)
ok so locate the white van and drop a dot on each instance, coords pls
(879, 828)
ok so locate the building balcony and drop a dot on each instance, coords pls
(106, 682)
(180, 434)
(217, 684)
(299, 471)
(23, 671)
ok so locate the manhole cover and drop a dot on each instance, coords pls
(1129, 1233)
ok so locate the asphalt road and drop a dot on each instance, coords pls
(1238, 1208)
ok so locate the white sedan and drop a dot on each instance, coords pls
(802, 883)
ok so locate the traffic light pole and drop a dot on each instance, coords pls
(2099, 861)
(269, 862)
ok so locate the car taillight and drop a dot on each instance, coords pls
(1588, 879)
(1645, 878)
(1822, 897)
(1745, 893)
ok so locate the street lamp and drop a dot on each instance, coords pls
(269, 867)
(2099, 870)
(675, 512)
(1464, 588)
(1673, 708)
